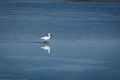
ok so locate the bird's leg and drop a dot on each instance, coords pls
(46, 42)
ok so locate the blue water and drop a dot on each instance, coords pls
(24, 20)
(85, 41)
(67, 60)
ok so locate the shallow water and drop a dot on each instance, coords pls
(28, 20)
(85, 41)
(67, 60)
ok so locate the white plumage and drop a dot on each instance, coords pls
(45, 38)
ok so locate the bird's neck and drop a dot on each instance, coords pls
(49, 36)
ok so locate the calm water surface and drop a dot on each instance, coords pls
(67, 60)
(85, 42)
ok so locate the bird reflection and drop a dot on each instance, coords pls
(46, 46)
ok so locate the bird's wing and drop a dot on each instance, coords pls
(44, 37)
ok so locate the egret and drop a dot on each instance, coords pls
(45, 38)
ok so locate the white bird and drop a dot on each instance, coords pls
(46, 47)
(45, 38)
